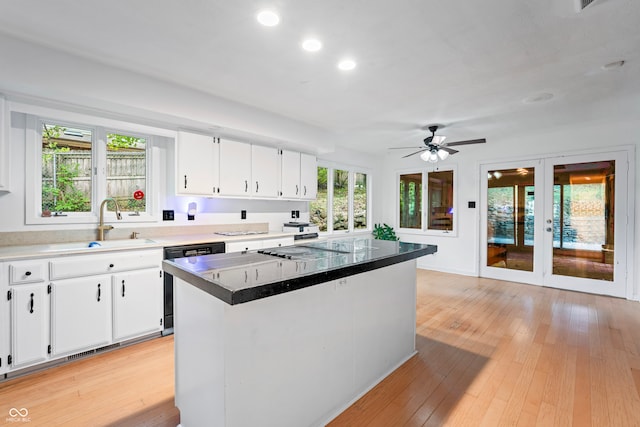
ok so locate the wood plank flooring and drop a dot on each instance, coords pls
(490, 353)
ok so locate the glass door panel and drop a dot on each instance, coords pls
(585, 223)
(583, 219)
(510, 218)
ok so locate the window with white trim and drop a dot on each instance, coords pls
(343, 203)
(426, 201)
(78, 165)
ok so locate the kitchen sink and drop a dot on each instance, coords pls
(89, 246)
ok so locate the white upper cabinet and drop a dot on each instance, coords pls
(210, 166)
(197, 168)
(4, 146)
(308, 176)
(290, 175)
(235, 168)
(299, 175)
(264, 171)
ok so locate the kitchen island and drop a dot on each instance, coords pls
(290, 336)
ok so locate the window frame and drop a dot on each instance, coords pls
(100, 127)
(424, 202)
(352, 170)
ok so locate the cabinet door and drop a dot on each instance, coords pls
(290, 173)
(308, 176)
(5, 153)
(195, 169)
(235, 168)
(80, 314)
(29, 324)
(264, 171)
(137, 303)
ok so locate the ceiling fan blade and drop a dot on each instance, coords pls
(471, 141)
(408, 155)
(448, 150)
(402, 148)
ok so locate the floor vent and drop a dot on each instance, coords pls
(80, 355)
(108, 347)
(90, 352)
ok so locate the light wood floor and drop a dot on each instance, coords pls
(490, 353)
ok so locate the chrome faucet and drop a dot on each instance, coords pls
(101, 226)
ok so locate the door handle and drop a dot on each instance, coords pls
(185, 181)
(123, 289)
(246, 185)
(256, 186)
(297, 189)
(98, 292)
(31, 304)
(549, 229)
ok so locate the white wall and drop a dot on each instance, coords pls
(460, 254)
(32, 70)
(40, 76)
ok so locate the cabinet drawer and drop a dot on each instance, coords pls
(26, 272)
(88, 265)
(281, 241)
(246, 245)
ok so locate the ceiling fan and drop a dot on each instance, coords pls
(435, 148)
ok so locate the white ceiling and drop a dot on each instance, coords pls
(465, 64)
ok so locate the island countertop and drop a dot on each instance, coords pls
(237, 278)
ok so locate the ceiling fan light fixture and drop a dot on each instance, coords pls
(443, 154)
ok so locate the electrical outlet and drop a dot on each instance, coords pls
(293, 214)
(297, 214)
(167, 215)
(243, 214)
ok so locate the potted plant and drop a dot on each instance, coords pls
(384, 232)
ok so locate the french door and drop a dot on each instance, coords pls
(558, 222)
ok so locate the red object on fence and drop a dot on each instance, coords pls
(138, 195)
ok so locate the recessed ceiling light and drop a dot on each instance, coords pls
(311, 45)
(268, 18)
(347, 64)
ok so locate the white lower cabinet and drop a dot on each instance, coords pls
(80, 314)
(137, 304)
(29, 324)
(61, 306)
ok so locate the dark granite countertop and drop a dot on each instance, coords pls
(236, 278)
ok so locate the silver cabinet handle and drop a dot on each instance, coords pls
(246, 185)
